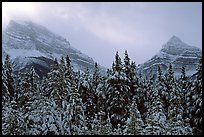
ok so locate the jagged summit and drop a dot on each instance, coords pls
(175, 46)
(176, 52)
(174, 39)
(176, 42)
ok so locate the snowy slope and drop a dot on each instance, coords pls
(176, 52)
(23, 40)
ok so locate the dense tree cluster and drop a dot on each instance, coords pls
(120, 102)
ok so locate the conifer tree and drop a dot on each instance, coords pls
(95, 86)
(101, 97)
(98, 127)
(75, 113)
(184, 85)
(88, 97)
(134, 124)
(197, 101)
(117, 94)
(5, 93)
(9, 78)
(175, 109)
(163, 89)
(56, 87)
(156, 120)
(12, 120)
(146, 98)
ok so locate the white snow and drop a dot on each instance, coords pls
(24, 53)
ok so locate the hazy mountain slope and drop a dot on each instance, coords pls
(28, 43)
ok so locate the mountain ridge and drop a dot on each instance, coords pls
(25, 40)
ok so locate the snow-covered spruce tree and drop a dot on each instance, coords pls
(26, 89)
(24, 93)
(18, 81)
(190, 99)
(12, 119)
(184, 86)
(98, 125)
(61, 89)
(146, 95)
(9, 81)
(88, 97)
(53, 95)
(37, 110)
(132, 81)
(61, 84)
(45, 117)
(162, 89)
(96, 86)
(136, 87)
(101, 126)
(67, 77)
(56, 86)
(134, 124)
(175, 109)
(69, 73)
(176, 124)
(133, 78)
(197, 101)
(117, 94)
(27, 86)
(101, 98)
(129, 72)
(156, 120)
(75, 114)
(96, 78)
(101, 102)
(183, 82)
(165, 86)
(73, 117)
(5, 93)
(99, 88)
(78, 79)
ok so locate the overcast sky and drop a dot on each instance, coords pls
(101, 29)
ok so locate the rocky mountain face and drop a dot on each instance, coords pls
(176, 52)
(30, 44)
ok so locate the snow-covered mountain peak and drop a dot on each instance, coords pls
(175, 46)
(25, 39)
(175, 42)
(27, 35)
(176, 52)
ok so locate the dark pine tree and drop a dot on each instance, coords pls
(117, 94)
(9, 78)
(197, 101)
